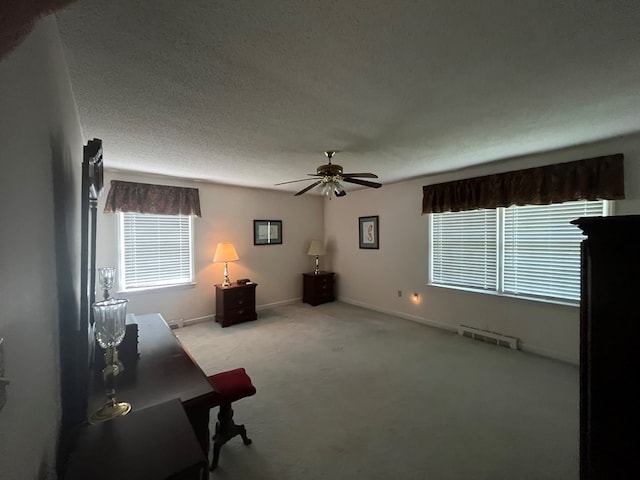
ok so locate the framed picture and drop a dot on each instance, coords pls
(368, 227)
(267, 232)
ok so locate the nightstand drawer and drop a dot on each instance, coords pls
(239, 298)
(233, 315)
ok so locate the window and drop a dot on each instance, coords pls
(155, 250)
(530, 251)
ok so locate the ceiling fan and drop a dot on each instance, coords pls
(331, 175)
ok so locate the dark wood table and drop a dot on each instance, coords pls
(154, 443)
(164, 371)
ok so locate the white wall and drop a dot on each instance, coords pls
(40, 155)
(373, 277)
(227, 216)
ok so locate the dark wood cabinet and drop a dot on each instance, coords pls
(317, 288)
(235, 304)
(609, 353)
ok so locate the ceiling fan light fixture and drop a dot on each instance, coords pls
(326, 188)
(331, 185)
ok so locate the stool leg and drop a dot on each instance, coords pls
(243, 433)
(226, 429)
(216, 456)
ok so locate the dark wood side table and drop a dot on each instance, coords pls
(317, 288)
(235, 304)
(153, 443)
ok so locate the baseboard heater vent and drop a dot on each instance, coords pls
(488, 337)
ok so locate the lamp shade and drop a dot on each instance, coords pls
(225, 252)
(316, 248)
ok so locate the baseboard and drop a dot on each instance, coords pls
(267, 306)
(545, 352)
(407, 316)
(178, 323)
(185, 322)
(525, 347)
(205, 318)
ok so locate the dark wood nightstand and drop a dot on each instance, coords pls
(317, 288)
(235, 304)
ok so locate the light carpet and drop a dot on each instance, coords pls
(349, 393)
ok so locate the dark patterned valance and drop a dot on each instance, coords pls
(148, 198)
(592, 179)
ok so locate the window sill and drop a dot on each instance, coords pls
(530, 298)
(177, 286)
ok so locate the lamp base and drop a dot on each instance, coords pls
(109, 411)
(317, 270)
(226, 282)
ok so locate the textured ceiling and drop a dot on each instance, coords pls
(252, 92)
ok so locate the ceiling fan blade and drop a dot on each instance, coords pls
(292, 181)
(308, 188)
(363, 182)
(341, 194)
(364, 175)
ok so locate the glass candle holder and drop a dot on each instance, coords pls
(106, 277)
(110, 317)
(110, 327)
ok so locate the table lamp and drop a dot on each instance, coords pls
(316, 249)
(225, 252)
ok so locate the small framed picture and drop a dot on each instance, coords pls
(267, 232)
(368, 227)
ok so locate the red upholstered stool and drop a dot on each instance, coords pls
(231, 386)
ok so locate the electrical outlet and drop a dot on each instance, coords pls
(399, 293)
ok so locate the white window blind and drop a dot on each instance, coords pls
(155, 250)
(542, 249)
(464, 249)
(530, 251)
